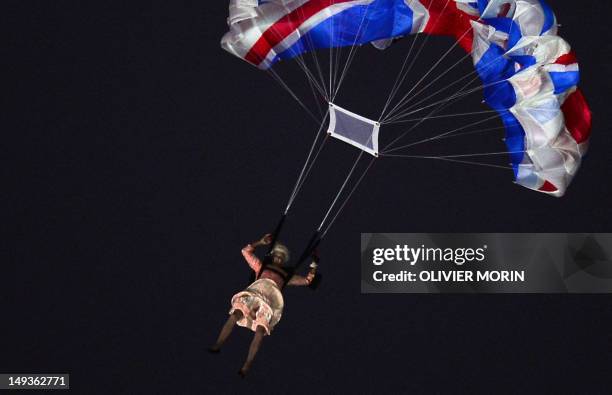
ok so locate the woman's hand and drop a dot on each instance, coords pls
(267, 239)
(264, 241)
(312, 272)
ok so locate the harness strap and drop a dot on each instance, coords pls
(314, 242)
(276, 232)
(266, 260)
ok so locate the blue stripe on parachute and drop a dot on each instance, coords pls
(524, 60)
(493, 66)
(549, 17)
(494, 70)
(381, 19)
(482, 5)
(515, 140)
(506, 25)
(564, 80)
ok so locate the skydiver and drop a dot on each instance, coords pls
(260, 306)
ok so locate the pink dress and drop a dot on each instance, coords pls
(261, 303)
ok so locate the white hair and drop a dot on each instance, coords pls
(281, 249)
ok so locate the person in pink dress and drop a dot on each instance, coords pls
(260, 306)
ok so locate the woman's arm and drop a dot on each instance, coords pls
(250, 257)
(298, 281)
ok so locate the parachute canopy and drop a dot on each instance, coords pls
(529, 73)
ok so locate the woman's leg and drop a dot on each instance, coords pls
(226, 330)
(255, 344)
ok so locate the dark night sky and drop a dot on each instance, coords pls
(139, 159)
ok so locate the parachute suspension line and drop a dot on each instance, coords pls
(413, 62)
(448, 158)
(440, 107)
(318, 83)
(475, 71)
(406, 98)
(461, 155)
(469, 132)
(449, 134)
(457, 95)
(462, 114)
(347, 198)
(337, 59)
(324, 94)
(299, 59)
(447, 87)
(314, 95)
(284, 85)
(452, 161)
(302, 64)
(443, 101)
(413, 127)
(307, 173)
(352, 52)
(331, 207)
(331, 55)
(466, 56)
(399, 80)
(313, 54)
(319, 234)
(400, 111)
(437, 92)
(306, 163)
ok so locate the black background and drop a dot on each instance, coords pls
(139, 158)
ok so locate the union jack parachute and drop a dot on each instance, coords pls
(529, 74)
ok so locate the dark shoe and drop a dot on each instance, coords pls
(242, 372)
(214, 350)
